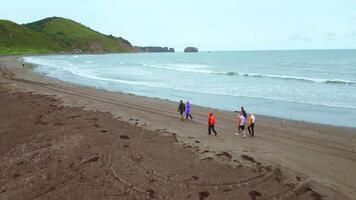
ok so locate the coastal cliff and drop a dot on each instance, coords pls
(153, 49)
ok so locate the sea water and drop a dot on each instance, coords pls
(308, 85)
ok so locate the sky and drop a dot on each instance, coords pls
(207, 24)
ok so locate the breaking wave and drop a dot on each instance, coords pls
(203, 70)
(297, 78)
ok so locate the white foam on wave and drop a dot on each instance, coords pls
(84, 73)
(298, 78)
(202, 69)
(92, 74)
(181, 68)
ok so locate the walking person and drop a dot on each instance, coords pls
(243, 112)
(211, 124)
(181, 109)
(187, 110)
(241, 124)
(251, 124)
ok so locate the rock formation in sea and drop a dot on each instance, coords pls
(191, 49)
(153, 49)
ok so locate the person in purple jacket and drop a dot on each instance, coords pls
(187, 110)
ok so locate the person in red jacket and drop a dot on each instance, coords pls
(211, 123)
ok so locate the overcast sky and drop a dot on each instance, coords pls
(207, 24)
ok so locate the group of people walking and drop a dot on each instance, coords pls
(241, 122)
(185, 111)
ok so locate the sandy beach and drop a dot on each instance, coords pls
(60, 140)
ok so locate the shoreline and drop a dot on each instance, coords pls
(303, 147)
(281, 119)
(320, 110)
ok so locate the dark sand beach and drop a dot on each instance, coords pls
(62, 141)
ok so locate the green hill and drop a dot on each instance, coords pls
(56, 34)
(17, 39)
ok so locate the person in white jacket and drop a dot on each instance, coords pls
(241, 124)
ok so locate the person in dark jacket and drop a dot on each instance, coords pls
(243, 112)
(211, 124)
(181, 109)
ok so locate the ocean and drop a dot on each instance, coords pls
(308, 85)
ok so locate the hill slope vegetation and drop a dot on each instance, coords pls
(16, 39)
(53, 35)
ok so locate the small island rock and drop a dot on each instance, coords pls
(191, 49)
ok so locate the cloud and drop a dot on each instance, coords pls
(351, 34)
(330, 36)
(353, 18)
(298, 37)
(340, 36)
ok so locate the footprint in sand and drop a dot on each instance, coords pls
(249, 158)
(39, 121)
(74, 116)
(91, 159)
(58, 124)
(225, 154)
(151, 193)
(254, 194)
(15, 175)
(203, 195)
(125, 137)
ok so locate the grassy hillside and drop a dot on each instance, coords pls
(56, 34)
(17, 39)
(74, 35)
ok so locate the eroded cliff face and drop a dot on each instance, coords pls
(191, 49)
(154, 49)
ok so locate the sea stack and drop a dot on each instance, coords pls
(191, 50)
(153, 49)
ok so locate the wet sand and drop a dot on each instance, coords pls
(59, 140)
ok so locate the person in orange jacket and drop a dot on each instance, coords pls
(251, 124)
(211, 123)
